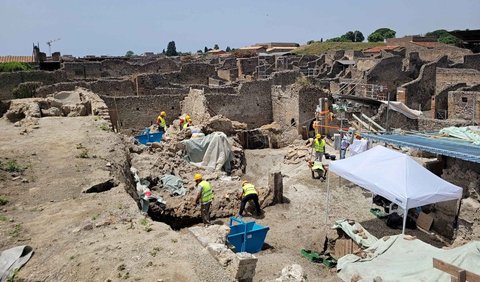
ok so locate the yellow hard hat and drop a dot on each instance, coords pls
(319, 136)
(163, 114)
(197, 176)
(244, 182)
(187, 117)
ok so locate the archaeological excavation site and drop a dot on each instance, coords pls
(267, 163)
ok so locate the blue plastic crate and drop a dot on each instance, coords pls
(147, 137)
(247, 236)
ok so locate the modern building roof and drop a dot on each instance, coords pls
(449, 147)
(252, 48)
(21, 59)
(280, 49)
(378, 49)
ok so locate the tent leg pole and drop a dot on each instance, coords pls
(328, 200)
(405, 213)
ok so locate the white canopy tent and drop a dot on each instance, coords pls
(396, 177)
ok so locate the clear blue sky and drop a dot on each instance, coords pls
(113, 27)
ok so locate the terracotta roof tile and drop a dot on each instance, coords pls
(22, 59)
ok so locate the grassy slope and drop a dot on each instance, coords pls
(319, 48)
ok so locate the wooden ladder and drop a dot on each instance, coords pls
(458, 274)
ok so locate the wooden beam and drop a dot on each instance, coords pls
(373, 122)
(458, 274)
(364, 124)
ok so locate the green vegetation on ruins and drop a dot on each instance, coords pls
(14, 66)
(317, 48)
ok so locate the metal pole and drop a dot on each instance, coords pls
(388, 110)
(405, 213)
(328, 199)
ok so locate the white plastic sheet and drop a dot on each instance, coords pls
(403, 109)
(212, 151)
(398, 259)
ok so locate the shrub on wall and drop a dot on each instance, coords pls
(14, 66)
(26, 89)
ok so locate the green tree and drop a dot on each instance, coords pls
(171, 49)
(228, 49)
(443, 36)
(353, 36)
(381, 34)
(199, 51)
(163, 51)
(215, 47)
(205, 50)
(129, 54)
(310, 42)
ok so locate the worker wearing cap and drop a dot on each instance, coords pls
(162, 123)
(204, 196)
(249, 193)
(319, 146)
(188, 122)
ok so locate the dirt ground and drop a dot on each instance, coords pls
(103, 237)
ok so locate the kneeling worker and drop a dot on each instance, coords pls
(318, 168)
(249, 193)
(204, 196)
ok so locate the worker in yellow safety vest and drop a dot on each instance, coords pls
(162, 123)
(249, 193)
(187, 122)
(319, 146)
(204, 196)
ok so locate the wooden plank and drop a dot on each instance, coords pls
(364, 124)
(424, 221)
(455, 271)
(373, 122)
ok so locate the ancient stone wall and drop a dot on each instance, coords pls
(465, 175)
(417, 94)
(8, 81)
(246, 66)
(464, 105)
(447, 77)
(387, 72)
(136, 112)
(471, 62)
(252, 105)
(108, 87)
(429, 124)
(115, 68)
(440, 101)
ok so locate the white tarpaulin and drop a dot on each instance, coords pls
(397, 177)
(398, 259)
(212, 151)
(403, 109)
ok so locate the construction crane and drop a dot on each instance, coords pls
(49, 43)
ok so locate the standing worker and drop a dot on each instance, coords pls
(162, 123)
(187, 123)
(249, 193)
(319, 146)
(344, 143)
(204, 196)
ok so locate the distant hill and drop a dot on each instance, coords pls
(318, 48)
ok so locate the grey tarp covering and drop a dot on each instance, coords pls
(353, 232)
(212, 151)
(403, 109)
(173, 184)
(13, 259)
(398, 259)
